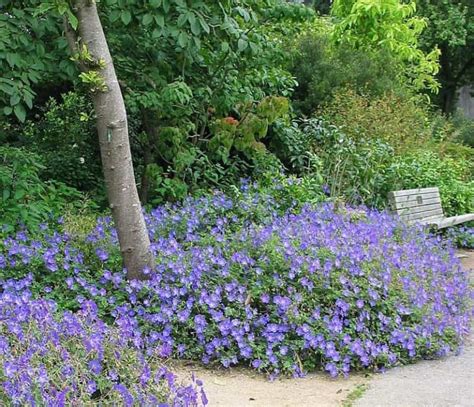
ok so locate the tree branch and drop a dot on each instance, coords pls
(72, 41)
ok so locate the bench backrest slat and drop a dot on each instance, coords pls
(416, 204)
(417, 209)
(413, 203)
(416, 191)
(412, 217)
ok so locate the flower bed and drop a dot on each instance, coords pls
(239, 282)
(76, 359)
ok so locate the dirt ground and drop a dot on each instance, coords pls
(467, 258)
(245, 388)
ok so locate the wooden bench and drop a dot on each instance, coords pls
(423, 206)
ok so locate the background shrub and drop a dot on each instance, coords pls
(364, 147)
(323, 68)
(395, 120)
(26, 200)
(464, 128)
(66, 138)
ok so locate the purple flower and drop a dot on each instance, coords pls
(95, 367)
(91, 386)
(256, 363)
(102, 254)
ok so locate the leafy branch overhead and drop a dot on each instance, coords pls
(391, 25)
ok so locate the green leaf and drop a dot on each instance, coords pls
(204, 26)
(195, 26)
(9, 90)
(28, 99)
(19, 194)
(254, 47)
(14, 99)
(156, 33)
(147, 19)
(72, 19)
(62, 8)
(242, 44)
(114, 16)
(160, 20)
(7, 110)
(182, 19)
(43, 8)
(20, 112)
(13, 59)
(166, 5)
(183, 39)
(6, 194)
(155, 3)
(126, 17)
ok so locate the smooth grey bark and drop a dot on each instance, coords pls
(114, 142)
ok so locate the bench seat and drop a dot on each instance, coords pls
(423, 205)
(454, 220)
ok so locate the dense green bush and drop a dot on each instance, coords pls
(321, 68)
(293, 146)
(365, 146)
(26, 200)
(362, 167)
(464, 128)
(353, 169)
(66, 138)
(399, 121)
(232, 148)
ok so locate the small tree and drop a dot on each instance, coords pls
(89, 48)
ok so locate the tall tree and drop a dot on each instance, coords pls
(451, 28)
(92, 53)
(391, 26)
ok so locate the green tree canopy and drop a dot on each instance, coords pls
(451, 28)
(389, 25)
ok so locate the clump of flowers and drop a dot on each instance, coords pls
(243, 280)
(76, 359)
(462, 236)
(231, 120)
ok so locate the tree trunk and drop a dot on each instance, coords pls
(448, 95)
(114, 142)
(448, 81)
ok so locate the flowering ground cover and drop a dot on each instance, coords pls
(462, 236)
(244, 280)
(76, 359)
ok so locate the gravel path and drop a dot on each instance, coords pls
(244, 388)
